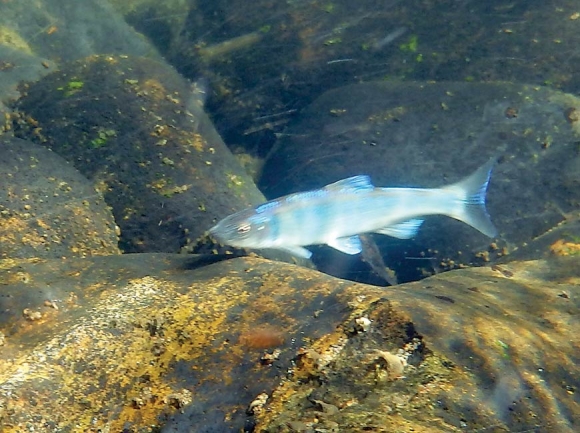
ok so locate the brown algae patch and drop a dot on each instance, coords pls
(129, 342)
(10, 38)
(565, 248)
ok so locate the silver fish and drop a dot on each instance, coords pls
(336, 214)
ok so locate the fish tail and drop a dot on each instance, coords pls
(471, 194)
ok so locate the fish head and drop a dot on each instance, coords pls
(245, 229)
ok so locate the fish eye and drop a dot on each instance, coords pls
(243, 229)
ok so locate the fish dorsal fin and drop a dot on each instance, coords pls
(355, 183)
(404, 230)
(350, 245)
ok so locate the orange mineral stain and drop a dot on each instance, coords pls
(264, 337)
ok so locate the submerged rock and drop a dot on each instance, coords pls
(498, 351)
(257, 87)
(64, 31)
(38, 35)
(132, 126)
(47, 208)
(177, 343)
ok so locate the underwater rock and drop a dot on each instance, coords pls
(265, 61)
(262, 60)
(433, 134)
(37, 36)
(154, 340)
(47, 208)
(162, 22)
(62, 31)
(12, 73)
(498, 351)
(132, 126)
(187, 344)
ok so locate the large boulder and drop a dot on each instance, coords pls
(48, 209)
(37, 36)
(181, 343)
(134, 128)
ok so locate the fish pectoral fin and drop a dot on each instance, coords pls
(404, 230)
(350, 245)
(297, 251)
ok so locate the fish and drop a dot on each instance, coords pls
(338, 213)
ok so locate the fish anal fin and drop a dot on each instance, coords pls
(350, 245)
(296, 251)
(405, 230)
